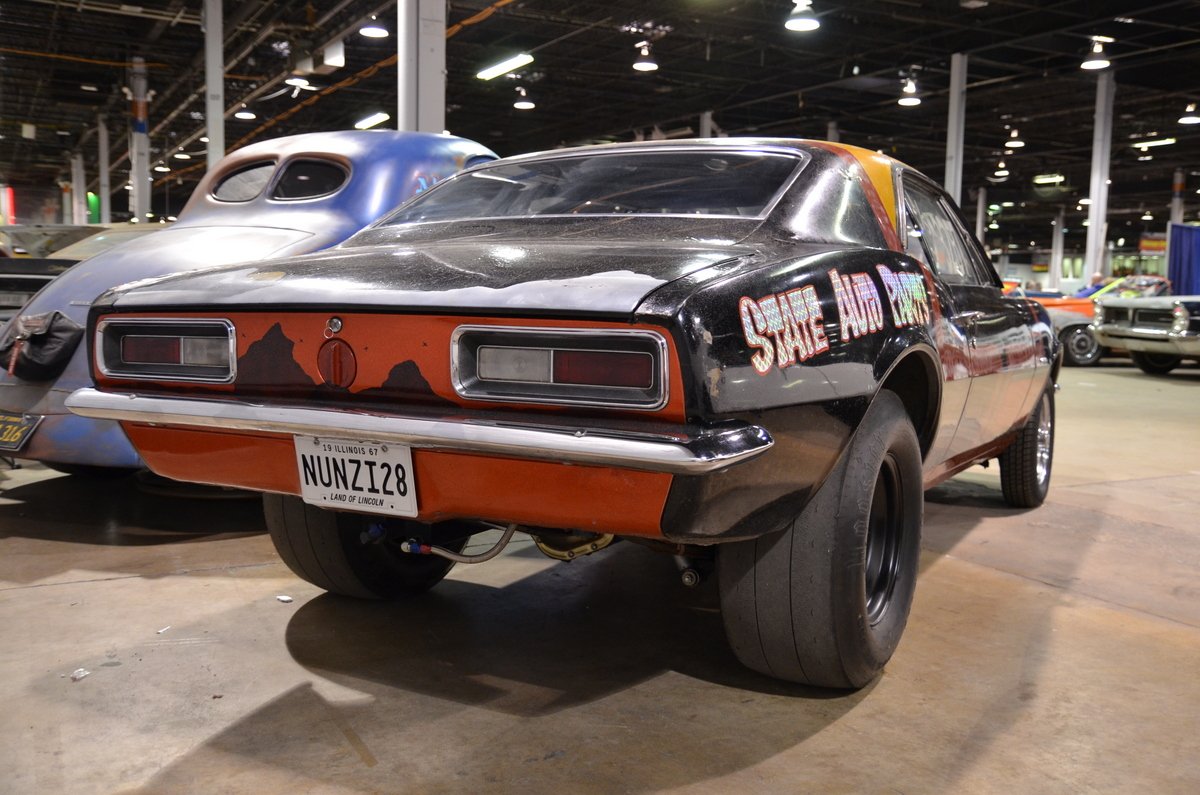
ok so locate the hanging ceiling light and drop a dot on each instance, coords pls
(1146, 216)
(523, 102)
(1014, 140)
(1096, 59)
(372, 120)
(245, 114)
(162, 168)
(908, 94)
(297, 81)
(1189, 115)
(645, 61)
(373, 30)
(1001, 169)
(802, 18)
(505, 66)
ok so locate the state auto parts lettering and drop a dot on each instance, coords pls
(789, 328)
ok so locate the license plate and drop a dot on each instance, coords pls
(15, 430)
(354, 475)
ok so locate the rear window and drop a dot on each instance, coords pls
(705, 183)
(308, 179)
(245, 184)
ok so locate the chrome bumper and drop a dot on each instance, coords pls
(691, 451)
(1154, 340)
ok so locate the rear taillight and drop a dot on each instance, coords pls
(612, 369)
(176, 350)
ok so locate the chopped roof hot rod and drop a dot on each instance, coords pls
(758, 352)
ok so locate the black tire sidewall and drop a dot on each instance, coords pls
(865, 647)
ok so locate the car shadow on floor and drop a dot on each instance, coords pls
(118, 511)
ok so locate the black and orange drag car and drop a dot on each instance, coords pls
(754, 354)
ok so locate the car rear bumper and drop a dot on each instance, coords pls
(687, 450)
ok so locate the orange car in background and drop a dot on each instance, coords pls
(1071, 314)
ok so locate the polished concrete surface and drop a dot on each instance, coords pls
(1049, 651)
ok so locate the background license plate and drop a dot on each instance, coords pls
(15, 430)
(353, 475)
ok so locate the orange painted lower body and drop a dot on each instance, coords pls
(449, 485)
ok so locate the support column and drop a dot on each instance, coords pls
(981, 216)
(706, 124)
(67, 210)
(1177, 187)
(1095, 260)
(956, 125)
(1054, 277)
(139, 142)
(105, 180)
(6, 208)
(214, 81)
(421, 65)
(79, 213)
(832, 133)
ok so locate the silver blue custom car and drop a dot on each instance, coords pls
(752, 354)
(284, 196)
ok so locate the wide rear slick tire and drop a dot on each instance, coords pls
(825, 601)
(1026, 465)
(334, 551)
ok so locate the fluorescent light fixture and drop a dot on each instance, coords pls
(373, 30)
(523, 102)
(89, 87)
(297, 80)
(1104, 39)
(802, 19)
(1085, 201)
(1144, 145)
(1189, 115)
(1014, 140)
(1095, 59)
(1144, 158)
(1007, 204)
(645, 61)
(506, 66)
(1049, 179)
(372, 120)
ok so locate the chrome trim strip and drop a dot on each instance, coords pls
(98, 347)
(693, 451)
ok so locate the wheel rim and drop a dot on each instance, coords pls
(1045, 439)
(885, 529)
(1083, 346)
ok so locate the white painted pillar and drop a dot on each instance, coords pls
(79, 213)
(139, 143)
(214, 81)
(67, 208)
(1177, 186)
(706, 124)
(956, 121)
(1095, 259)
(981, 216)
(6, 210)
(421, 65)
(832, 133)
(105, 188)
(1054, 277)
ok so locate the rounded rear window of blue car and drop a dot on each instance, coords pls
(244, 184)
(308, 179)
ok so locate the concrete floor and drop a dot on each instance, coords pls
(1054, 650)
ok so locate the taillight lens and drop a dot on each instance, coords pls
(604, 368)
(176, 350)
(612, 369)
